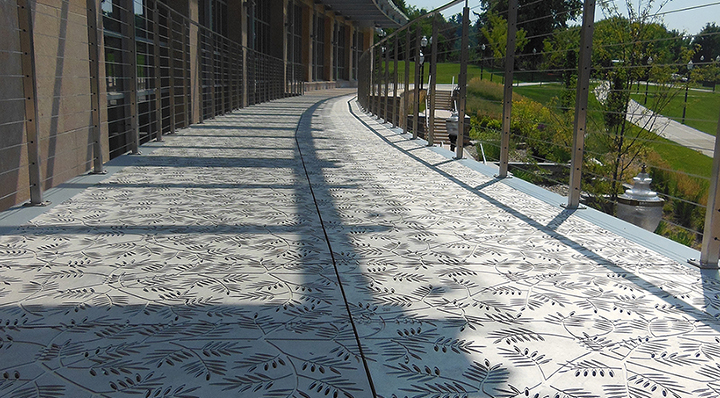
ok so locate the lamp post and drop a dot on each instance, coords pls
(423, 45)
(647, 80)
(687, 86)
(482, 61)
(717, 61)
(421, 60)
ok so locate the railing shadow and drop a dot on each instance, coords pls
(518, 278)
(183, 275)
(323, 274)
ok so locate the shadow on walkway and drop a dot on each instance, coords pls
(317, 254)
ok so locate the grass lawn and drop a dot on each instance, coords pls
(448, 70)
(542, 94)
(678, 157)
(682, 159)
(703, 108)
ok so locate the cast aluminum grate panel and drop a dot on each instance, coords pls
(205, 269)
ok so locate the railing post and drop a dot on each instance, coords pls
(462, 80)
(201, 49)
(378, 81)
(371, 76)
(396, 41)
(406, 97)
(581, 102)
(131, 68)
(710, 251)
(221, 68)
(244, 76)
(213, 74)
(266, 78)
(387, 81)
(508, 91)
(362, 79)
(185, 66)
(433, 84)
(232, 59)
(416, 86)
(27, 46)
(171, 71)
(158, 73)
(94, 29)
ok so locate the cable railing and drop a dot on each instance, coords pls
(583, 106)
(159, 71)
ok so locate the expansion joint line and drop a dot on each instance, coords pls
(306, 118)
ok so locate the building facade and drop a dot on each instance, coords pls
(85, 81)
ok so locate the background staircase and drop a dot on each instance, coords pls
(443, 107)
(443, 100)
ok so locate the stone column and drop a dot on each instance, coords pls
(307, 40)
(329, 55)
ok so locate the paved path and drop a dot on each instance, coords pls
(249, 255)
(663, 126)
(671, 129)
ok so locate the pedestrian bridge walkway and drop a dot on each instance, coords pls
(298, 248)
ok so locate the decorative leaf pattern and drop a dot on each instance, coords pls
(204, 269)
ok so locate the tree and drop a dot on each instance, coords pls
(622, 49)
(561, 56)
(538, 18)
(708, 41)
(495, 32)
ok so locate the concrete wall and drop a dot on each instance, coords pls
(64, 125)
(14, 181)
(63, 84)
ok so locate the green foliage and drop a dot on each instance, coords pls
(486, 131)
(702, 107)
(557, 46)
(545, 94)
(708, 41)
(684, 197)
(548, 136)
(486, 90)
(495, 32)
(556, 15)
(484, 99)
(677, 157)
(616, 102)
(679, 235)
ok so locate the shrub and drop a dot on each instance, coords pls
(547, 135)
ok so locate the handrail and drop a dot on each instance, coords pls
(407, 25)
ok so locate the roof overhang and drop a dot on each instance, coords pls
(369, 13)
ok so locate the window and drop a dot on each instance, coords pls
(319, 50)
(340, 52)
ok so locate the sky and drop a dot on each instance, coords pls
(688, 21)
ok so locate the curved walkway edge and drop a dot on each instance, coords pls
(301, 248)
(670, 129)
